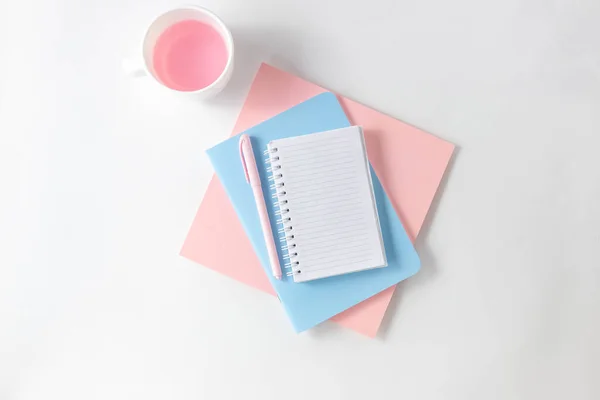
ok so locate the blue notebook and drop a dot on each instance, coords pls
(310, 303)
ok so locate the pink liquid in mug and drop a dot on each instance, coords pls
(189, 55)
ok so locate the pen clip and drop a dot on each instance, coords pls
(243, 139)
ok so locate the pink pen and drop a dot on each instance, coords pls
(252, 177)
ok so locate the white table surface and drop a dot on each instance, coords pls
(101, 176)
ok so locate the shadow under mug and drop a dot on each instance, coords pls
(143, 65)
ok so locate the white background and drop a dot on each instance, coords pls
(100, 177)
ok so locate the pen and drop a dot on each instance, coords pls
(252, 177)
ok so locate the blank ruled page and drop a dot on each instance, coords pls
(327, 208)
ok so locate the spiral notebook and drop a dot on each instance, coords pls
(323, 194)
(310, 303)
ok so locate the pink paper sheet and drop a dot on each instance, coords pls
(409, 162)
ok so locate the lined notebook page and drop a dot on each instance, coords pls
(328, 217)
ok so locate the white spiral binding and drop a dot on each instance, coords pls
(284, 221)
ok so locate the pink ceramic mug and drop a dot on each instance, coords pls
(186, 50)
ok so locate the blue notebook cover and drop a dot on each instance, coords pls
(310, 303)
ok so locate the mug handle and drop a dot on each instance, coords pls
(134, 67)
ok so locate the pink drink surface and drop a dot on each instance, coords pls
(189, 55)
